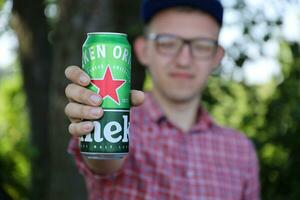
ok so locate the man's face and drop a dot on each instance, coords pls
(180, 76)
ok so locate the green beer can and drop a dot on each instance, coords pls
(106, 58)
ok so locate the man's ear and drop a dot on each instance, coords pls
(140, 50)
(219, 56)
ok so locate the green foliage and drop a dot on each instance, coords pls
(280, 164)
(238, 105)
(1, 3)
(14, 163)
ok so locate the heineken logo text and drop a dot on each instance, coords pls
(100, 51)
(112, 132)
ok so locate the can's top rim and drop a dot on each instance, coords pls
(106, 33)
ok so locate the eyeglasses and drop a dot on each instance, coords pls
(171, 45)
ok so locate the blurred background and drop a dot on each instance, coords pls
(256, 90)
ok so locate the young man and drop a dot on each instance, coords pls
(177, 151)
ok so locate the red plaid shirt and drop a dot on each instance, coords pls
(209, 162)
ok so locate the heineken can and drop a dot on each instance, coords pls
(106, 58)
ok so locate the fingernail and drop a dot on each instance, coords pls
(87, 126)
(95, 98)
(96, 112)
(83, 79)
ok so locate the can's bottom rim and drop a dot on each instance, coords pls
(103, 156)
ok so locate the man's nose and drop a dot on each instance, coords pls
(184, 56)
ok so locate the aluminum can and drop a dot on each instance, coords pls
(106, 58)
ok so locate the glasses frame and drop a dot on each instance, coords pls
(155, 37)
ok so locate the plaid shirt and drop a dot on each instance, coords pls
(209, 162)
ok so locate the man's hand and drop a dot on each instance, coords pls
(84, 103)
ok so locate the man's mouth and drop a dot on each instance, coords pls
(181, 75)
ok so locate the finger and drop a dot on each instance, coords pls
(78, 111)
(82, 128)
(75, 120)
(137, 97)
(82, 95)
(77, 75)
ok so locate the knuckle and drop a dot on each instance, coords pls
(77, 93)
(83, 112)
(68, 89)
(73, 72)
(88, 114)
(67, 109)
(83, 94)
(69, 71)
(74, 129)
(71, 129)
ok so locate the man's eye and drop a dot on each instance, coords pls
(167, 44)
(203, 47)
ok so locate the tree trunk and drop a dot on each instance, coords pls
(35, 55)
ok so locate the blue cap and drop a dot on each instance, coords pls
(212, 7)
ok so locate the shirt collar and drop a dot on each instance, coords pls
(203, 122)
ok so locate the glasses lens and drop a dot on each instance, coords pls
(171, 45)
(168, 45)
(203, 48)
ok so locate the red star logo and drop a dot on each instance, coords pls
(108, 86)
